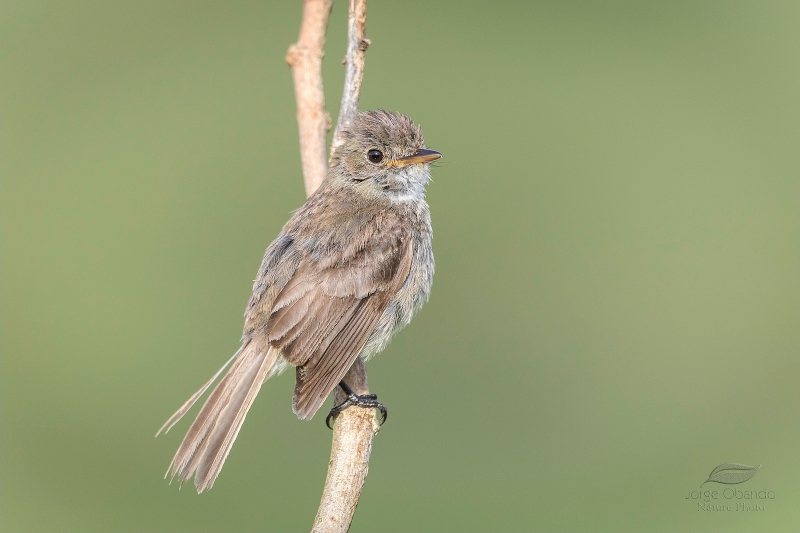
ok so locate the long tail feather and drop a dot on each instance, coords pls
(205, 420)
(196, 396)
(218, 444)
(210, 437)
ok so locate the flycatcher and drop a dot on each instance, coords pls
(349, 269)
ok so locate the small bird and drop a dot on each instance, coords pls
(349, 269)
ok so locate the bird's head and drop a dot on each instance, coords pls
(384, 153)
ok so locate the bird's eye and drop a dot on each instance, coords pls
(375, 156)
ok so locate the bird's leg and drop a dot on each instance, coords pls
(364, 400)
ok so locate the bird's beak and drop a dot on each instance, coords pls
(420, 156)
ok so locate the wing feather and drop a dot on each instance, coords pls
(344, 306)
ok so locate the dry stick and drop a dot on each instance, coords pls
(353, 433)
(305, 58)
(357, 46)
(354, 429)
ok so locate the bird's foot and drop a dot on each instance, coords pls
(363, 400)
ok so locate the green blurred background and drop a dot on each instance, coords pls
(615, 310)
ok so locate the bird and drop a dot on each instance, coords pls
(348, 270)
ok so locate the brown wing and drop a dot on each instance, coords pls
(324, 315)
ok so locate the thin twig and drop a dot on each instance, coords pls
(354, 429)
(357, 46)
(305, 58)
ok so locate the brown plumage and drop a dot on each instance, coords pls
(349, 269)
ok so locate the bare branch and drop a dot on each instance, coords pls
(354, 429)
(357, 46)
(305, 58)
(353, 433)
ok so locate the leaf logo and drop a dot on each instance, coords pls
(731, 474)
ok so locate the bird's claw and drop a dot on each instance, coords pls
(365, 400)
